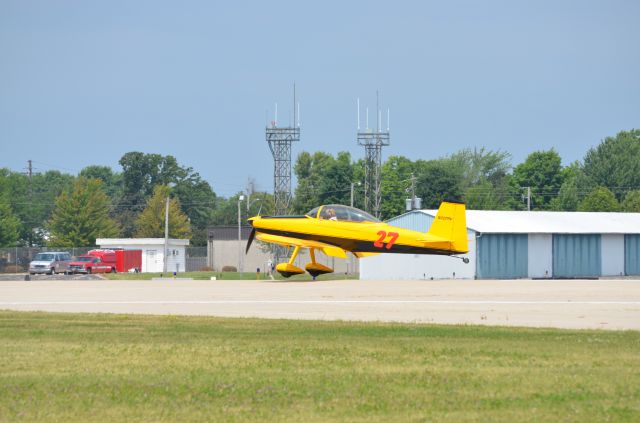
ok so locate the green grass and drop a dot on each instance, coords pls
(82, 367)
(225, 276)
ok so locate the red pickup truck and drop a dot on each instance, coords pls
(95, 261)
(107, 261)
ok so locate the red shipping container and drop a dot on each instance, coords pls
(128, 259)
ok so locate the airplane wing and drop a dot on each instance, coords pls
(330, 250)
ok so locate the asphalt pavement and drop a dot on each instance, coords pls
(575, 304)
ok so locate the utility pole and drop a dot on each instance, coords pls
(413, 191)
(528, 197)
(166, 237)
(30, 174)
(240, 264)
(250, 191)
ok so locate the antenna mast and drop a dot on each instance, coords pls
(373, 143)
(279, 141)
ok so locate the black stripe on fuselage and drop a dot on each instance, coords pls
(295, 216)
(357, 246)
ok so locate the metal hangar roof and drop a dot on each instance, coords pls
(493, 221)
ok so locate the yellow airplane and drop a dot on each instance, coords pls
(335, 229)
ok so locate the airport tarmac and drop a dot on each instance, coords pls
(574, 304)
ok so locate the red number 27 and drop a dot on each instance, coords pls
(380, 241)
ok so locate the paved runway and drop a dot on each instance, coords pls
(605, 304)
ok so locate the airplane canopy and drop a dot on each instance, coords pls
(341, 213)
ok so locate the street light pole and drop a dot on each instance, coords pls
(166, 237)
(240, 264)
(352, 184)
(352, 194)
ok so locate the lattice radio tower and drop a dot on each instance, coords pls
(373, 141)
(279, 140)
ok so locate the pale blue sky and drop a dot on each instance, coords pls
(83, 82)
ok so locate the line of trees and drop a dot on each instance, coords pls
(607, 180)
(59, 209)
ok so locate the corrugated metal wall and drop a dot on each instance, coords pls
(632, 254)
(577, 256)
(502, 256)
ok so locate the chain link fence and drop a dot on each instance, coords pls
(196, 259)
(16, 259)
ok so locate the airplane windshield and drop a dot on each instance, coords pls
(314, 212)
(341, 213)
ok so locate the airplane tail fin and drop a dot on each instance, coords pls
(451, 223)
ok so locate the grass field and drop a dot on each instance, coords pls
(80, 367)
(225, 276)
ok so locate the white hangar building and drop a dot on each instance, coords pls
(520, 244)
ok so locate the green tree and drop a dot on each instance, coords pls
(600, 200)
(631, 202)
(198, 202)
(542, 171)
(322, 179)
(574, 187)
(305, 194)
(32, 200)
(395, 185)
(335, 183)
(9, 224)
(479, 165)
(483, 196)
(151, 222)
(141, 173)
(615, 162)
(226, 212)
(484, 178)
(111, 181)
(437, 180)
(81, 215)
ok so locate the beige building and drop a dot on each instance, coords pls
(224, 249)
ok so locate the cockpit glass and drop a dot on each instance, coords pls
(341, 213)
(314, 212)
(361, 216)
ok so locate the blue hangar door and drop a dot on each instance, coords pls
(502, 256)
(632, 255)
(576, 256)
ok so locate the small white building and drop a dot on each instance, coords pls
(152, 251)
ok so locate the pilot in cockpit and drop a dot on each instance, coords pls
(330, 214)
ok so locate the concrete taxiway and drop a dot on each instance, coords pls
(602, 304)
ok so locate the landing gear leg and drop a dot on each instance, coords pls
(314, 268)
(296, 250)
(289, 269)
